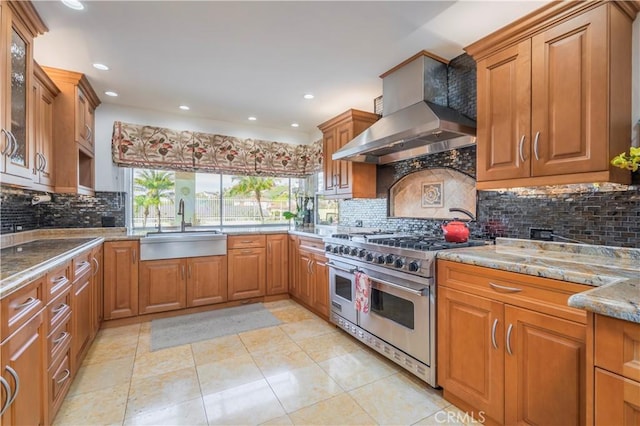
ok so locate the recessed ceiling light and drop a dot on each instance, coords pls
(308, 96)
(252, 118)
(184, 107)
(295, 125)
(73, 4)
(110, 93)
(101, 67)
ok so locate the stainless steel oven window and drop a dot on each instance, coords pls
(344, 287)
(394, 308)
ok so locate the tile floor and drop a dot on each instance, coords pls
(304, 371)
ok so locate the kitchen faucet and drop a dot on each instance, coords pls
(183, 225)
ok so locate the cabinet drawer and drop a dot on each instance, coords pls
(246, 241)
(81, 264)
(17, 308)
(59, 340)
(57, 280)
(59, 380)
(543, 295)
(58, 309)
(617, 400)
(617, 346)
(312, 243)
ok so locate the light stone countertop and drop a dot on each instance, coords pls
(613, 271)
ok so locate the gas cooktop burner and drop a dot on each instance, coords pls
(422, 243)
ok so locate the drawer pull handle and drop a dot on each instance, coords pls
(63, 336)
(16, 379)
(59, 279)
(95, 262)
(493, 333)
(246, 242)
(30, 301)
(7, 390)
(84, 263)
(504, 288)
(62, 307)
(67, 373)
(509, 330)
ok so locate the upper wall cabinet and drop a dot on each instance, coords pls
(554, 96)
(73, 131)
(43, 92)
(19, 24)
(346, 179)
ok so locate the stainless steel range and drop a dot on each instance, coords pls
(401, 322)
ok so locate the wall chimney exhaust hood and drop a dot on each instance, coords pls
(414, 120)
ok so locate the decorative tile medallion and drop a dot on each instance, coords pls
(432, 194)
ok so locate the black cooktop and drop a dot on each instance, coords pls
(423, 243)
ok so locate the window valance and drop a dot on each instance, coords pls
(135, 145)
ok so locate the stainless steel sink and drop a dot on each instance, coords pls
(171, 245)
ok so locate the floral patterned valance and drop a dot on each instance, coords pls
(135, 145)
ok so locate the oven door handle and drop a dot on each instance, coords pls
(400, 287)
(339, 268)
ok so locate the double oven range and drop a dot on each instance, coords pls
(401, 321)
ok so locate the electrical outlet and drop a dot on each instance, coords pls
(359, 223)
(543, 234)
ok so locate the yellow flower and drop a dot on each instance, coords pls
(630, 161)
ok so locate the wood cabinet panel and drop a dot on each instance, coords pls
(206, 280)
(23, 354)
(81, 320)
(97, 314)
(247, 273)
(277, 264)
(246, 241)
(59, 339)
(120, 279)
(162, 285)
(59, 381)
(57, 281)
(545, 369)
(617, 400)
(294, 258)
(470, 365)
(618, 346)
(320, 285)
(20, 306)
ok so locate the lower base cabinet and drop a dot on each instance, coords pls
(120, 279)
(206, 280)
(309, 283)
(501, 359)
(247, 258)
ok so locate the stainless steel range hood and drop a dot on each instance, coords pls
(414, 122)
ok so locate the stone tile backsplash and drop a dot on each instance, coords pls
(63, 211)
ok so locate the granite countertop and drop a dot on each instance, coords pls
(613, 272)
(25, 262)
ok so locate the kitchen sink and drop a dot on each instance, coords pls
(177, 244)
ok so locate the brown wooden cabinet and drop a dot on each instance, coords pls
(120, 279)
(97, 297)
(311, 286)
(23, 356)
(246, 256)
(162, 285)
(294, 258)
(81, 319)
(206, 280)
(347, 179)
(43, 93)
(503, 339)
(19, 24)
(539, 124)
(615, 367)
(277, 264)
(73, 131)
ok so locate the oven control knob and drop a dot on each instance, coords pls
(380, 259)
(336, 249)
(399, 263)
(389, 259)
(361, 252)
(369, 257)
(328, 248)
(353, 252)
(414, 266)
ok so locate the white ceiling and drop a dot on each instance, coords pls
(230, 60)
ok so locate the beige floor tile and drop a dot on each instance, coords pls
(398, 400)
(357, 368)
(92, 377)
(157, 392)
(104, 406)
(279, 421)
(189, 413)
(250, 404)
(272, 363)
(122, 331)
(301, 330)
(218, 376)
(217, 349)
(276, 304)
(267, 339)
(451, 416)
(303, 387)
(292, 314)
(339, 410)
(330, 345)
(163, 361)
(109, 347)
